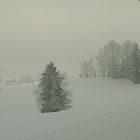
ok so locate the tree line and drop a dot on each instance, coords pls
(115, 60)
(25, 79)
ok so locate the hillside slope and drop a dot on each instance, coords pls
(103, 109)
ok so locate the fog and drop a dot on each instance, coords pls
(33, 32)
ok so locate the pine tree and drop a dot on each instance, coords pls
(52, 93)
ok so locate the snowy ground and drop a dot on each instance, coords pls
(104, 109)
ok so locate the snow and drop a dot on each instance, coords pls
(103, 109)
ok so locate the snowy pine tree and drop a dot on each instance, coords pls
(52, 93)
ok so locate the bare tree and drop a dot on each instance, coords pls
(88, 69)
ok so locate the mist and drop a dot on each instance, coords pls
(32, 33)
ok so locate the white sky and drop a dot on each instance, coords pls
(33, 32)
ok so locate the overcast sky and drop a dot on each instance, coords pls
(33, 32)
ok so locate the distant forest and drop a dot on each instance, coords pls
(115, 60)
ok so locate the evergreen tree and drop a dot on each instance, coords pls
(52, 93)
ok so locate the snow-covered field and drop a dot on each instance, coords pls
(103, 109)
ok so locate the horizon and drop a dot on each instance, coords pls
(67, 33)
